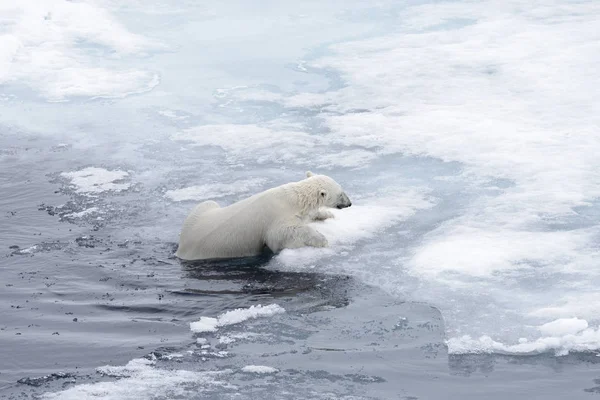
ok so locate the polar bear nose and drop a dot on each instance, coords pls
(344, 203)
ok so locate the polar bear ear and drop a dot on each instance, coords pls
(309, 174)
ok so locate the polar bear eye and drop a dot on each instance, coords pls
(323, 193)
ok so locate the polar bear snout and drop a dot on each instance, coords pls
(344, 202)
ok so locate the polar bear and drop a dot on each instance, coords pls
(275, 218)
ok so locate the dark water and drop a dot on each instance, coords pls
(95, 292)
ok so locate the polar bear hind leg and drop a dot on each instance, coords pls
(293, 237)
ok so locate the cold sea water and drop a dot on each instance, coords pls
(466, 134)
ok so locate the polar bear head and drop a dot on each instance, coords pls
(329, 193)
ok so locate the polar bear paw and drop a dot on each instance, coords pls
(322, 215)
(317, 240)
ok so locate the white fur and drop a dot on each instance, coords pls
(275, 218)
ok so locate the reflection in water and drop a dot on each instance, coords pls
(247, 278)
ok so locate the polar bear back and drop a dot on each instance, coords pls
(237, 230)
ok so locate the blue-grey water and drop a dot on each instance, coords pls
(465, 133)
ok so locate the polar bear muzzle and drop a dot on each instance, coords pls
(344, 201)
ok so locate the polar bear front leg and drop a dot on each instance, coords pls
(313, 238)
(293, 237)
(322, 215)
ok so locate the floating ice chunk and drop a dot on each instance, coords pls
(94, 180)
(132, 367)
(205, 324)
(208, 324)
(563, 326)
(29, 250)
(228, 339)
(481, 252)
(562, 338)
(172, 356)
(141, 379)
(242, 314)
(83, 213)
(215, 190)
(361, 222)
(259, 369)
